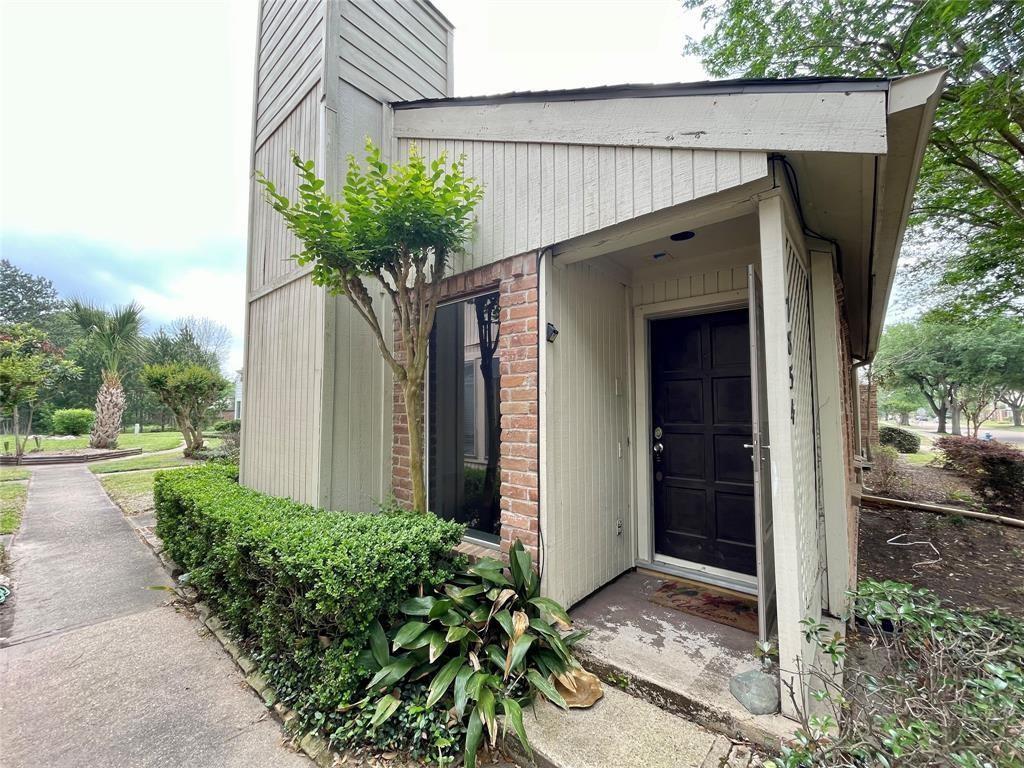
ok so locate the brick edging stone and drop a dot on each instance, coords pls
(311, 743)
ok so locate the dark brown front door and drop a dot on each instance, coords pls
(701, 424)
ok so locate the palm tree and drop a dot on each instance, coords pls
(117, 334)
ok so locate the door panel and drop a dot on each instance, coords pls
(766, 610)
(701, 413)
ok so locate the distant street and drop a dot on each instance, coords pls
(1005, 434)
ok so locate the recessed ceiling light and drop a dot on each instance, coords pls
(687, 235)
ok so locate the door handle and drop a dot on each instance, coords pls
(751, 445)
(658, 448)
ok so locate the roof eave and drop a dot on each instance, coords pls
(911, 110)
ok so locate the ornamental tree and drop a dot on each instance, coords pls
(31, 371)
(397, 226)
(187, 390)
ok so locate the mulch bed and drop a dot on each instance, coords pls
(979, 564)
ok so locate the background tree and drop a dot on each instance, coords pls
(206, 335)
(901, 402)
(918, 355)
(31, 369)
(117, 335)
(24, 297)
(188, 390)
(1014, 400)
(971, 189)
(990, 356)
(398, 225)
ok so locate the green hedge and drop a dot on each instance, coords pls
(301, 586)
(71, 421)
(903, 440)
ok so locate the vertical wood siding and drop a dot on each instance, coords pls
(587, 418)
(285, 336)
(360, 454)
(539, 194)
(271, 244)
(393, 50)
(290, 59)
(283, 381)
(685, 286)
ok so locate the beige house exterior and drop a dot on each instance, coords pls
(686, 275)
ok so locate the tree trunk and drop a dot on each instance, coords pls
(941, 413)
(110, 404)
(1016, 411)
(413, 392)
(905, 419)
(16, 425)
(955, 419)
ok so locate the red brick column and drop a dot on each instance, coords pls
(515, 279)
(520, 420)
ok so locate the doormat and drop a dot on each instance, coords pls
(717, 605)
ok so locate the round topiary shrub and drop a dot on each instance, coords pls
(903, 440)
(72, 421)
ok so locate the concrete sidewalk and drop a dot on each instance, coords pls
(95, 669)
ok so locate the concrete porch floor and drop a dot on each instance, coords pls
(678, 661)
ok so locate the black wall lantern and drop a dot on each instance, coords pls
(551, 332)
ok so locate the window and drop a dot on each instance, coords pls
(464, 423)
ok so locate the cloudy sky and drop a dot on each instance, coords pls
(124, 128)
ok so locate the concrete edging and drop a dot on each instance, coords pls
(311, 743)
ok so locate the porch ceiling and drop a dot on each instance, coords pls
(712, 246)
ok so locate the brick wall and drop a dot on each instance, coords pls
(869, 414)
(515, 279)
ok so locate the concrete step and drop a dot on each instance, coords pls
(677, 662)
(622, 731)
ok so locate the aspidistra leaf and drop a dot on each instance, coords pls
(443, 679)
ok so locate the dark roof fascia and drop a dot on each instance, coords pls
(648, 91)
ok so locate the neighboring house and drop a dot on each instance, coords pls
(239, 388)
(687, 276)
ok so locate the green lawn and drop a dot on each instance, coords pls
(13, 495)
(132, 492)
(157, 461)
(918, 459)
(147, 441)
(13, 473)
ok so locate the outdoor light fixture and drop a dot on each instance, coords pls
(551, 333)
(680, 236)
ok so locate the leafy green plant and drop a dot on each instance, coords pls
(940, 687)
(486, 641)
(994, 469)
(427, 733)
(71, 421)
(31, 370)
(300, 587)
(903, 440)
(400, 225)
(188, 391)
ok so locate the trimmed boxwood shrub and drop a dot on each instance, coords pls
(994, 469)
(300, 586)
(903, 440)
(231, 425)
(71, 421)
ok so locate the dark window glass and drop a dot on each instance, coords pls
(469, 415)
(464, 423)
